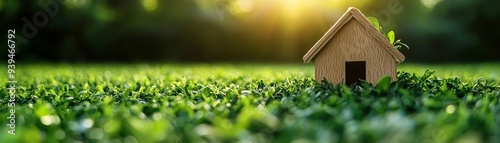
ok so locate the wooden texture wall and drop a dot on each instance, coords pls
(353, 42)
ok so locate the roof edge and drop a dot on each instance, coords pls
(347, 16)
(361, 18)
(328, 35)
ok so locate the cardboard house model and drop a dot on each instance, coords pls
(352, 50)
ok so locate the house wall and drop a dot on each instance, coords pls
(354, 43)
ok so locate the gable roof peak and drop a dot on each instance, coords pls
(355, 13)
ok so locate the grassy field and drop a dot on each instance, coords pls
(249, 103)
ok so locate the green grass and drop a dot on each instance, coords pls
(249, 103)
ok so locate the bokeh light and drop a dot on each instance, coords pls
(150, 5)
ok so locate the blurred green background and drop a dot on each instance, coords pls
(242, 30)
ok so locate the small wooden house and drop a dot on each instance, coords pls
(352, 50)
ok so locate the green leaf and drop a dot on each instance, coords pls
(398, 44)
(384, 83)
(397, 47)
(391, 36)
(375, 23)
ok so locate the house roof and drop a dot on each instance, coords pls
(357, 15)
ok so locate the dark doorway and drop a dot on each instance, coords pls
(355, 71)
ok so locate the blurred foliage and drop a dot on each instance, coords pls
(242, 30)
(248, 103)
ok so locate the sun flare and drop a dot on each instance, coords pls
(291, 9)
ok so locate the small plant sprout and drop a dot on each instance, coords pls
(391, 36)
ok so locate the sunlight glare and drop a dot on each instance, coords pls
(150, 5)
(292, 8)
(430, 3)
(244, 6)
